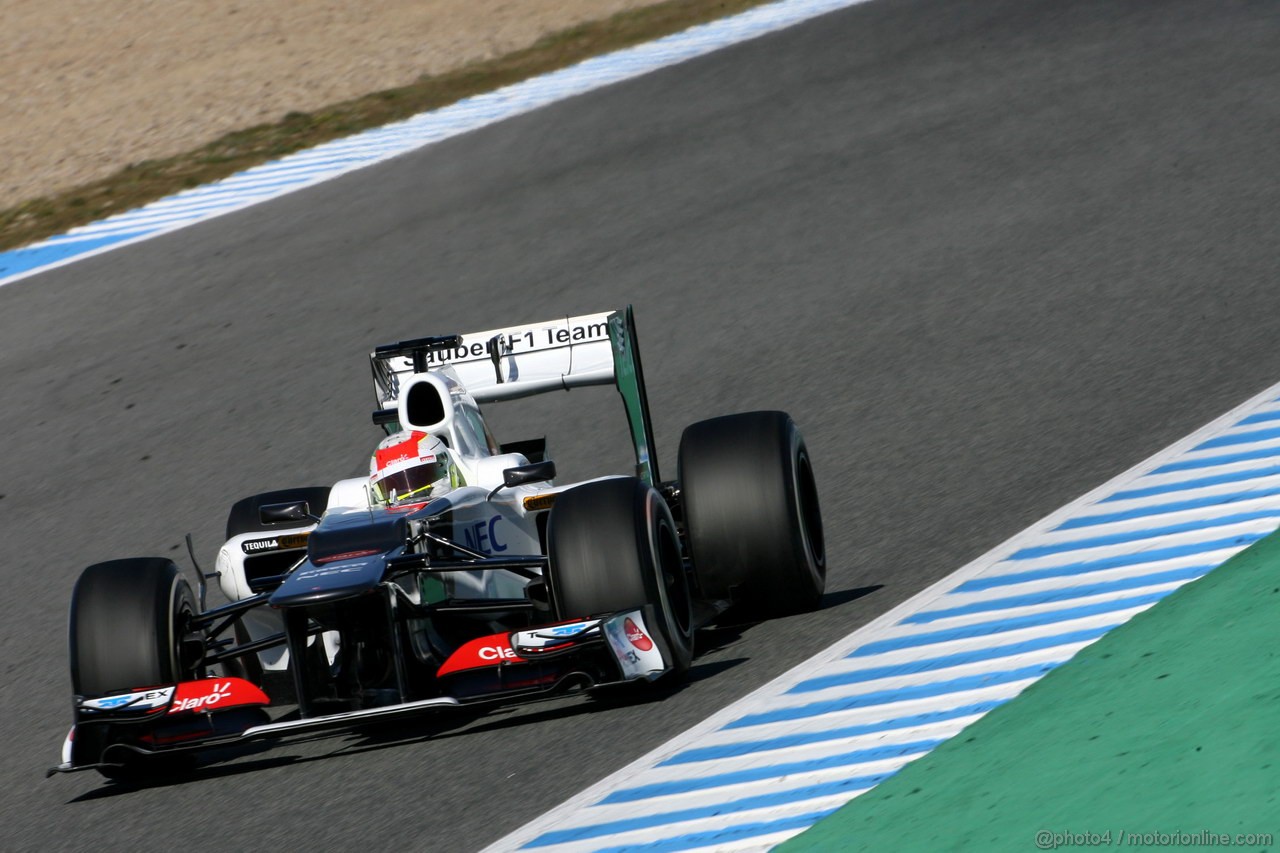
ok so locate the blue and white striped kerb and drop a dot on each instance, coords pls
(794, 751)
(337, 158)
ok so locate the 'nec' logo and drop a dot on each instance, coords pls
(482, 536)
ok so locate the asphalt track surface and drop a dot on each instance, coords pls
(987, 254)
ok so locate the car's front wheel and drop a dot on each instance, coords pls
(612, 545)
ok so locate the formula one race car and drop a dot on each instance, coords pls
(456, 573)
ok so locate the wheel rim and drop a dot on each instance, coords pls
(185, 650)
(810, 515)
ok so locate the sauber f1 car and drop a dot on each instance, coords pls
(456, 574)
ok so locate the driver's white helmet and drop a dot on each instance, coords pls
(410, 467)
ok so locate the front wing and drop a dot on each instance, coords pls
(502, 668)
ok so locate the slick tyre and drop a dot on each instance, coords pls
(751, 514)
(243, 517)
(612, 545)
(128, 622)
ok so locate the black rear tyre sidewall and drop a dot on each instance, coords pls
(751, 513)
(612, 545)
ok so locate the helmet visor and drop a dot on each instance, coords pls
(411, 485)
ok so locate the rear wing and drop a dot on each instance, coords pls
(520, 361)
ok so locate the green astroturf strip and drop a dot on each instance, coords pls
(1168, 728)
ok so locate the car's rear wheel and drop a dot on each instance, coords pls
(130, 627)
(244, 518)
(612, 545)
(751, 513)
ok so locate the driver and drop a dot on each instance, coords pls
(411, 468)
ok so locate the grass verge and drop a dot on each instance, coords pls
(140, 183)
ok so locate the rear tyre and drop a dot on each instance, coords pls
(243, 517)
(129, 627)
(612, 545)
(751, 513)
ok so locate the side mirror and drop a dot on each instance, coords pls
(294, 511)
(534, 472)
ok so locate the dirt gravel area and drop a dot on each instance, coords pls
(90, 86)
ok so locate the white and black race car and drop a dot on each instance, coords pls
(354, 603)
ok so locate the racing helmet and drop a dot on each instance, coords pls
(410, 467)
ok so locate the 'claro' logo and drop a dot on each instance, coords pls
(637, 636)
(217, 692)
(214, 694)
(482, 652)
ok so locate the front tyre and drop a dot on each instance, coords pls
(129, 619)
(751, 513)
(612, 546)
